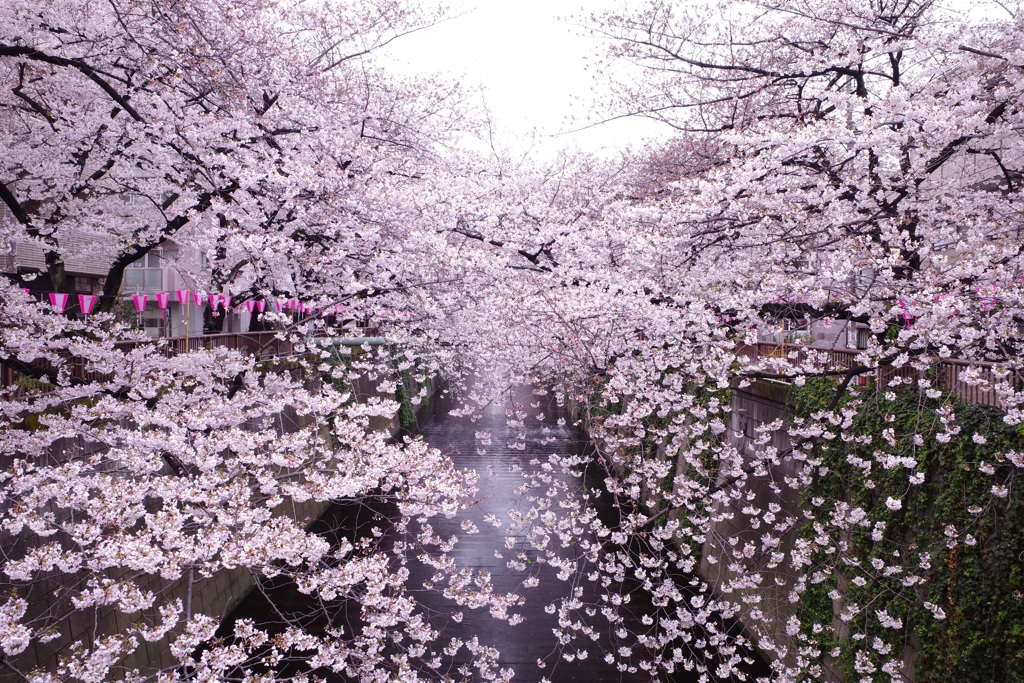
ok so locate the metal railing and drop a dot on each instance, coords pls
(262, 344)
(971, 381)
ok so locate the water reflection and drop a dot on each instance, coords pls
(531, 647)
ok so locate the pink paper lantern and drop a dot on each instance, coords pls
(197, 298)
(182, 295)
(214, 300)
(261, 305)
(140, 301)
(249, 305)
(226, 300)
(86, 303)
(162, 299)
(59, 301)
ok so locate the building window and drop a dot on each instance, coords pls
(153, 322)
(150, 260)
(145, 274)
(9, 259)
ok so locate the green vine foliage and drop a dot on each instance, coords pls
(407, 386)
(337, 373)
(954, 550)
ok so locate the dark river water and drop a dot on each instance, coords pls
(532, 642)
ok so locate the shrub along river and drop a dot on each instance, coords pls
(531, 647)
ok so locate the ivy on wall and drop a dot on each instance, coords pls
(942, 560)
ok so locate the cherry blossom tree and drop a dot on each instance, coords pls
(855, 165)
(138, 483)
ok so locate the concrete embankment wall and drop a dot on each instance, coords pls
(50, 595)
(753, 409)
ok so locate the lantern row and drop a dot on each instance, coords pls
(87, 302)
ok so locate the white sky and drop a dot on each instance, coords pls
(530, 58)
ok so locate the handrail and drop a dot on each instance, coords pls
(264, 344)
(971, 381)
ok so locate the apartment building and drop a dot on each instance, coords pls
(166, 269)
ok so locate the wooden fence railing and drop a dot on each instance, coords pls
(972, 381)
(263, 344)
(251, 343)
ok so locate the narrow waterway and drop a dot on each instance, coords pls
(501, 448)
(530, 648)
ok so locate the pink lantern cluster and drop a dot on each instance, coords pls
(227, 303)
(907, 315)
(186, 297)
(86, 302)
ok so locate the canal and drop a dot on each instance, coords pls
(507, 446)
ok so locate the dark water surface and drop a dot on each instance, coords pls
(524, 645)
(533, 640)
